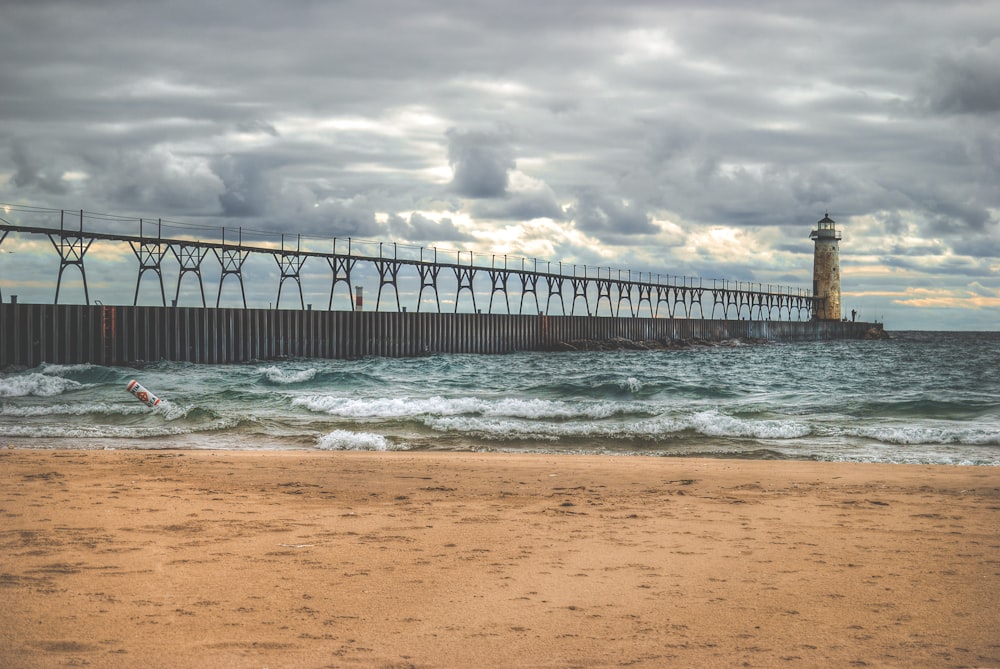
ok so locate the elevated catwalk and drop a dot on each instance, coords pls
(503, 284)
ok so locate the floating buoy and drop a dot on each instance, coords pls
(143, 395)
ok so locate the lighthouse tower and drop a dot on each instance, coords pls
(826, 270)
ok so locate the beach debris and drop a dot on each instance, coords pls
(143, 395)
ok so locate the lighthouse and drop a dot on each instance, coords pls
(826, 270)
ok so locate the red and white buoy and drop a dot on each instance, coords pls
(143, 395)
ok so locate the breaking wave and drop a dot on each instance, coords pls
(36, 384)
(344, 440)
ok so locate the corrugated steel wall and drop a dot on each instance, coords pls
(31, 334)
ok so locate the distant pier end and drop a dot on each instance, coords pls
(826, 270)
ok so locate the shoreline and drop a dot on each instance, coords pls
(446, 559)
(236, 443)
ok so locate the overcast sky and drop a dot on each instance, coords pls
(699, 138)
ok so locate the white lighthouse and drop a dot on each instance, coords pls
(826, 270)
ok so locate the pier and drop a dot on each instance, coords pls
(555, 301)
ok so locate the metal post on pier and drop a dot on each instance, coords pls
(2, 237)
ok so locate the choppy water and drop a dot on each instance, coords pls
(921, 397)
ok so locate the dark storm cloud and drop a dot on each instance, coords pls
(520, 206)
(247, 191)
(30, 174)
(343, 219)
(946, 267)
(952, 216)
(257, 126)
(608, 216)
(984, 246)
(481, 162)
(965, 83)
(419, 228)
(918, 251)
(146, 182)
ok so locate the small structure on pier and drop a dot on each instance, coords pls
(826, 270)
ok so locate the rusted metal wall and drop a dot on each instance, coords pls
(32, 334)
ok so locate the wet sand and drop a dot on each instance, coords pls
(319, 559)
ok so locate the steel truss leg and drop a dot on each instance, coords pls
(388, 272)
(189, 257)
(428, 279)
(465, 277)
(341, 266)
(150, 257)
(231, 260)
(580, 290)
(557, 283)
(499, 280)
(71, 249)
(290, 265)
(529, 285)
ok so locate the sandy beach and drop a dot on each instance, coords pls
(321, 559)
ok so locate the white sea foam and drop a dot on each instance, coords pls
(90, 431)
(281, 376)
(76, 409)
(344, 440)
(34, 383)
(398, 407)
(58, 370)
(717, 424)
(172, 411)
(166, 409)
(500, 428)
(908, 435)
(708, 423)
(541, 409)
(633, 385)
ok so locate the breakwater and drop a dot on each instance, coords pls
(32, 334)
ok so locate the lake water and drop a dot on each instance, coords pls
(921, 397)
